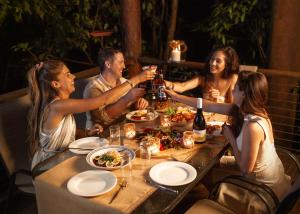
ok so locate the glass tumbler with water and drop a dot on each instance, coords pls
(115, 135)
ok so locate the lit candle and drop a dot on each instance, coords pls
(165, 120)
(130, 134)
(175, 55)
(188, 139)
(129, 130)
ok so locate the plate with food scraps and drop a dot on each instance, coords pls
(85, 145)
(110, 157)
(142, 115)
(214, 128)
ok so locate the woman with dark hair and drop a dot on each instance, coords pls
(220, 75)
(253, 146)
(51, 122)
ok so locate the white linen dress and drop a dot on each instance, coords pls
(55, 140)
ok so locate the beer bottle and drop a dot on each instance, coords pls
(160, 86)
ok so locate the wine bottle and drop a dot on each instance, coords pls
(199, 127)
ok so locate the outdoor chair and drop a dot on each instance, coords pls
(13, 149)
(78, 94)
(262, 199)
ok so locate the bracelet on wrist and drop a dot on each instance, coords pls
(131, 83)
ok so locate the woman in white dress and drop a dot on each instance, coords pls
(51, 122)
(253, 145)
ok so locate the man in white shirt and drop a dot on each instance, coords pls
(111, 64)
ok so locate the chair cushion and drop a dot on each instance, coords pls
(208, 207)
(13, 134)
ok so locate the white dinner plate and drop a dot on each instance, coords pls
(87, 143)
(92, 183)
(218, 129)
(130, 115)
(97, 152)
(173, 173)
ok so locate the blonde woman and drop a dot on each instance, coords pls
(51, 122)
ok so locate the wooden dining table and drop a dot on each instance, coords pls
(139, 196)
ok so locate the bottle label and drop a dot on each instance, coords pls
(199, 135)
(161, 92)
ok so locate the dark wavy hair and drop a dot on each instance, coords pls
(104, 55)
(231, 62)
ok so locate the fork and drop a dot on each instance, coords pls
(123, 184)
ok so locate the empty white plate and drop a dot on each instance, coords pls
(87, 143)
(92, 183)
(173, 173)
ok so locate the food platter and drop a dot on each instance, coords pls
(110, 157)
(142, 115)
(182, 116)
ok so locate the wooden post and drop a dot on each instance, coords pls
(285, 47)
(285, 36)
(172, 27)
(131, 34)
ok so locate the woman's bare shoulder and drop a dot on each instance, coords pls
(254, 130)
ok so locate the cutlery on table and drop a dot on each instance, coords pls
(81, 148)
(123, 184)
(161, 186)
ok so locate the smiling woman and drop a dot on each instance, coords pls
(51, 121)
(220, 76)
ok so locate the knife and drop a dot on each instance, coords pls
(82, 148)
(161, 186)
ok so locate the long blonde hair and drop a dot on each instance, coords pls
(41, 94)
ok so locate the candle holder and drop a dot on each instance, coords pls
(165, 120)
(188, 139)
(178, 49)
(129, 130)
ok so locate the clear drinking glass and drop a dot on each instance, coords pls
(145, 154)
(115, 135)
(150, 113)
(126, 168)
